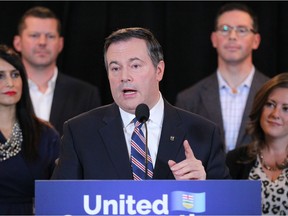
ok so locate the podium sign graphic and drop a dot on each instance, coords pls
(152, 197)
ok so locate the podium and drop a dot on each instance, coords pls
(151, 197)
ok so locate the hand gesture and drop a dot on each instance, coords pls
(190, 168)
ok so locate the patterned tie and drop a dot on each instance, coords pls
(138, 144)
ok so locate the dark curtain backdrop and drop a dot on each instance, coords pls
(183, 29)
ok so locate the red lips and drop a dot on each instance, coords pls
(10, 93)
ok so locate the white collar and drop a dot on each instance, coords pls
(51, 82)
(156, 114)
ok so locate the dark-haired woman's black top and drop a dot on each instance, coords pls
(238, 163)
(17, 176)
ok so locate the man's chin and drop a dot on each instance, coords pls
(129, 107)
(42, 64)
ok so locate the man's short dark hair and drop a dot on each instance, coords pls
(38, 12)
(240, 7)
(154, 48)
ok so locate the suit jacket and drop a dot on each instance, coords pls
(94, 146)
(71, 97)
(238, 162)
(203, 98)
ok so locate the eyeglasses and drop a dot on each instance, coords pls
(241, 31)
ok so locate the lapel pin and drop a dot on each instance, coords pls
(172, 138)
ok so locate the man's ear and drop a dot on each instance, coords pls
(160, 70)
(17, 43)
(61, 44)
(256, 42)
(213, 38)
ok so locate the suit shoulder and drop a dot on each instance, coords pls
(92, 115)
(187, 116)
(261, 76)
(193, 89)
(70, 81)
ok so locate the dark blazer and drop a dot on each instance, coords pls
(94, 146)
(203, 98)
(71, 97)
(238, 162)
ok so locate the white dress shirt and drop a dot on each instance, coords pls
(42, 102)
(154, 127)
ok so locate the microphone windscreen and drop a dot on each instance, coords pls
(142, 112)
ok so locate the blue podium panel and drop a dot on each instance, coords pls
(154, 197)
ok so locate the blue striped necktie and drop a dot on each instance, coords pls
(141, 169)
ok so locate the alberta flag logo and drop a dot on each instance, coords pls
(188, 202)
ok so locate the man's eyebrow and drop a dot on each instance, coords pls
(134, 59)
(130, 60)
(113, 62)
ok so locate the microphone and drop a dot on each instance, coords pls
(142, 113)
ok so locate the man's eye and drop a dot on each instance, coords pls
(51, 36)
(135, 66)
(34, 35)
(242, 30)
(115, 69)
(226, 28)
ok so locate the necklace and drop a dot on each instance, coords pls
(13, 145)
(277, 167)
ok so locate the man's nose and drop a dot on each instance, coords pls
(42, 39)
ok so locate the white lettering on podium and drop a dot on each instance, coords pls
(129, 205)
(130, 202)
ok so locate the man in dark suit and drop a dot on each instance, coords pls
(226, 96)
(56, 97)
(98, 143)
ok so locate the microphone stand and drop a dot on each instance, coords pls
(146, 150)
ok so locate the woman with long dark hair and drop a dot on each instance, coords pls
(28, 145)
